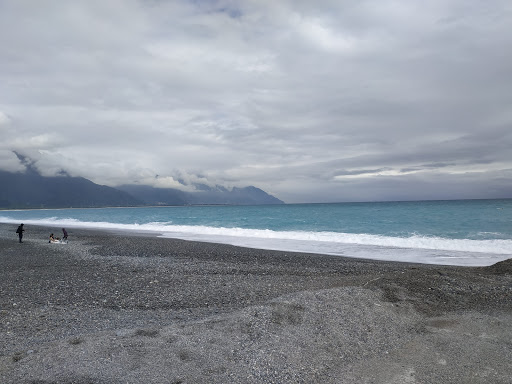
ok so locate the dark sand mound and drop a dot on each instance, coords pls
(501, 268)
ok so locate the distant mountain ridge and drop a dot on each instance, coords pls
(205, 195)
(31, 190)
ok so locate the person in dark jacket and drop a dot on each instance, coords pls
(20, 231)
(64, 235)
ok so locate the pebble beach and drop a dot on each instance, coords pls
(120, 307)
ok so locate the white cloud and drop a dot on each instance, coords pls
(293, 97)
(4, 119)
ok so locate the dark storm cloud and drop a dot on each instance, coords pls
(311, 101)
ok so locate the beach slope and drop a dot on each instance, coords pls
(128, 308)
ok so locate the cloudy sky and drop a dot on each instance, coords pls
(312, 101)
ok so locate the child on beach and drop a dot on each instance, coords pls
(53, 239)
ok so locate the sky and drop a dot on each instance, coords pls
(311, 101)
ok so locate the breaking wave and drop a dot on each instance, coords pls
(329, 241)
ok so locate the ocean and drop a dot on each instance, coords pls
(458, 232)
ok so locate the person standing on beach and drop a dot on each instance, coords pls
(20, 231)
(64, 235)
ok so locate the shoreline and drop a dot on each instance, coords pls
(113, 307)
(402, 253)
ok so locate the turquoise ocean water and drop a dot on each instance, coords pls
(460, 232)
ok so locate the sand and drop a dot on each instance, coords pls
(129, 308)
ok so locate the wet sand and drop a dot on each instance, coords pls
(127, 308)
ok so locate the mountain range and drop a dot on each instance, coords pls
(31, 190)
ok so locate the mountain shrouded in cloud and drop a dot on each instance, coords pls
(31, 190)
(315, 101)
(205, 195)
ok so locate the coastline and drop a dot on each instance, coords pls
(115, 307)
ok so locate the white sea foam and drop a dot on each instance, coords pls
(415, 248)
